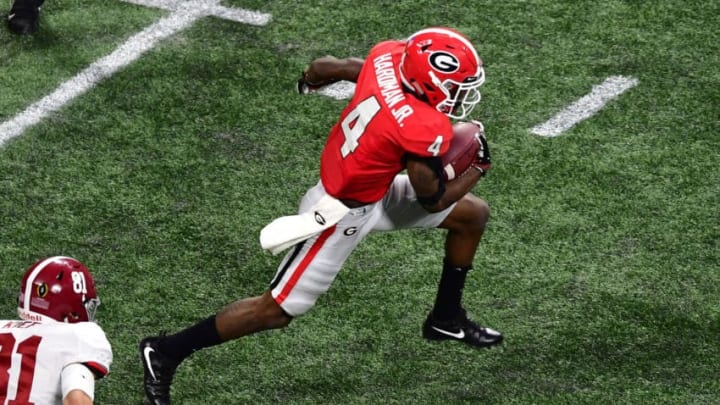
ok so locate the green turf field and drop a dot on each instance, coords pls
(601, 263)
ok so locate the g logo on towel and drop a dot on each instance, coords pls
(319, 218)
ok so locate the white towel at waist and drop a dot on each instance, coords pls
(287, 231)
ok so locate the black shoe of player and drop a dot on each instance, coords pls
(159, 371)
(461, 328)
(23, 17)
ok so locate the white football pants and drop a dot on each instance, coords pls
(309, 268)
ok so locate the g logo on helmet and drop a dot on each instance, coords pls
(444, 62)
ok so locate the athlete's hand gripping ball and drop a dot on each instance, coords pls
(482, 161)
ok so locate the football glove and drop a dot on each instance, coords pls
(482, 161)
(304, 86)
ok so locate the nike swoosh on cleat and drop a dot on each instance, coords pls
(146, 353)
(11, 16)
(456, 335)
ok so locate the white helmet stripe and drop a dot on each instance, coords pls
(31, 279)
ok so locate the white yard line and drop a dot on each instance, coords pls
(580, 110)
(208, 8)
(586, 106)
(184, 14)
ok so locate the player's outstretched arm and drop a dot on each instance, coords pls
(327, 70)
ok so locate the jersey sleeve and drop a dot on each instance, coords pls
(93, 349)
(427, 138)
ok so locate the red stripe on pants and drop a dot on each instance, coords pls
(304, 264)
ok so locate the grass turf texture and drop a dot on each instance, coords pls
(600, 263)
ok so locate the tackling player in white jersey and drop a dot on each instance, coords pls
(56, 351)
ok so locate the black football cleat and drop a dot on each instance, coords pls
(23, 17)
(461, 328)
(159, 370)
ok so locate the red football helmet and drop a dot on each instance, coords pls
(58, 288)
(442, 65)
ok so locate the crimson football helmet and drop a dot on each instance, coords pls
(441, 65)
(58, 288)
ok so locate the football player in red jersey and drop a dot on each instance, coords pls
(54, 354)
(398, 120)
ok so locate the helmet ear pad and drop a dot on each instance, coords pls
(58, 288)
(443, 68)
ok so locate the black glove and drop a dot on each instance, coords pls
(482, 162)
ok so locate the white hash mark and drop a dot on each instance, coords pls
(586, 106)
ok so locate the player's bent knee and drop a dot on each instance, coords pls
(480, 214)
(279, 318)
(275, 317)
(470, 214)
(481, 211)
(280, 321)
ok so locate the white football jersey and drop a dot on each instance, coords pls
(33, 355)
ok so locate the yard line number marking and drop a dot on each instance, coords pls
(183, 14)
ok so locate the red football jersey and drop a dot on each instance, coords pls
(380, 125)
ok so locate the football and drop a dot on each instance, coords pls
(462, 151)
